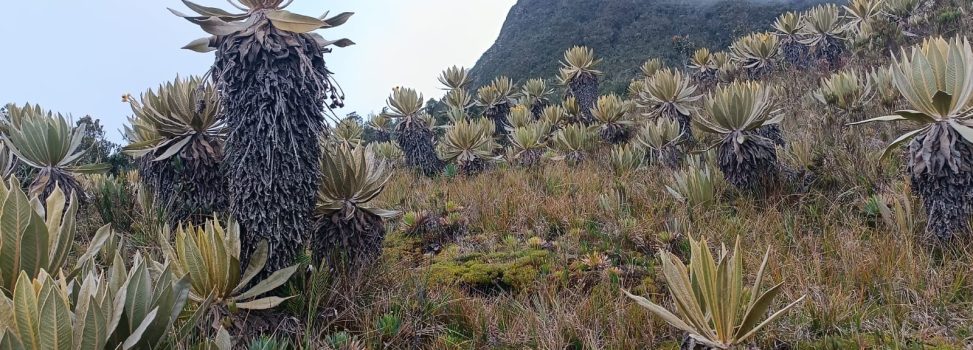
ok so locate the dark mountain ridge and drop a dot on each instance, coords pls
(624, 33)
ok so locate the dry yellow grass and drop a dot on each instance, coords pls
(547, 251)
(870, 283)
(867, 283)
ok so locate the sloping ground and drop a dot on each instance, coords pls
(545, 252)
(537, 258)
(623, 32)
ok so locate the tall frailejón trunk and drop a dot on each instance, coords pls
(158, 177)
(585, 89)
(944, 181)
(498, 114)
(685, 128)
(418, 143)
(274, 86)
(200, 194)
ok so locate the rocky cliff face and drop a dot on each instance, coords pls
(623, 32)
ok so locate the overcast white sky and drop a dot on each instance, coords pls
(79, 57)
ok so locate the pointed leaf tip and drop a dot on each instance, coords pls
(292, 22)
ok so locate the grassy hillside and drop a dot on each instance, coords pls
(624, 33)
(517, 254)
